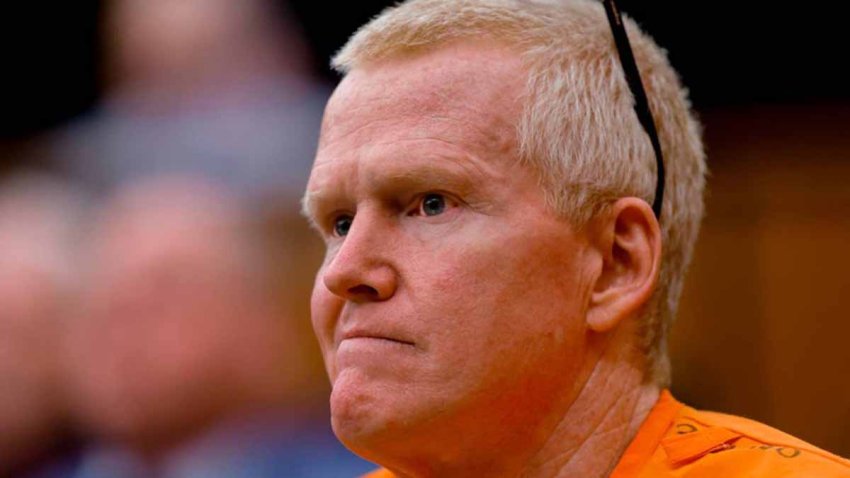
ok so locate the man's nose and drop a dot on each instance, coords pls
(361, 271)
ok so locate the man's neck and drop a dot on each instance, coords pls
(597, 427)
(591, 437)
(589, 434)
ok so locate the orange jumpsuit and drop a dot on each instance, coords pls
(678, 441)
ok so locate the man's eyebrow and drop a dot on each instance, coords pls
(316, 203)
(308, 202)
(458, 175)
(442, 176)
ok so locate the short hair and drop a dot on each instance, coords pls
(578, 129)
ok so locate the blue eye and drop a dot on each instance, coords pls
(433, 204)
(342, 224)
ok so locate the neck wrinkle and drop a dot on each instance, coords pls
(601, 422)
(593, 432)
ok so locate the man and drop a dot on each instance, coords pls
(497, 289)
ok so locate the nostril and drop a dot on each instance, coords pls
(363, 290)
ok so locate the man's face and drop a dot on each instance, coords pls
(450, 295)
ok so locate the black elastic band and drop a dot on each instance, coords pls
(627, 60)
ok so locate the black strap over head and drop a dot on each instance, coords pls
(630, 69)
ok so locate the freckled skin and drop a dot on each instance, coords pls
(490, 294)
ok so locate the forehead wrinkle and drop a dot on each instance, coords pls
(455, 92)
(491, 136)
(392, 157)
(456, 169)
(448, 153)
(450, 175)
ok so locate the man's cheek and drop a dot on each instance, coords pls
(324, 316)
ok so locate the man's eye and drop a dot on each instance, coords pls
(432, 204)
(342, 224)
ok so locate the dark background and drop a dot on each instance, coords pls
(728, 53)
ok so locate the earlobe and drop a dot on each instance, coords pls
(628, 238)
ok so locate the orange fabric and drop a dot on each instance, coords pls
(677, 441)
(380, 474)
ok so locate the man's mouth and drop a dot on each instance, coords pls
(366, 335)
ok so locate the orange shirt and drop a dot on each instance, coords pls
(679, 441)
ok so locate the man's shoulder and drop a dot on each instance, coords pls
(381, 473)
(702, 443)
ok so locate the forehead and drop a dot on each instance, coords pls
(460, 100)
(430, 92)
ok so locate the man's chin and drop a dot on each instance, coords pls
(356, 405)
(366, 414)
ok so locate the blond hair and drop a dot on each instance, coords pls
(578, 128)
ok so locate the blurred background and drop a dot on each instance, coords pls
(186, 128)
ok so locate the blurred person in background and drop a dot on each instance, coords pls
(192, 344)
(39, 227)
(216, 87)
(183, 363)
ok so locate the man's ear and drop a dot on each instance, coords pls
(628, 238)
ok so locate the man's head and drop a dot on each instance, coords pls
(483, 185)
